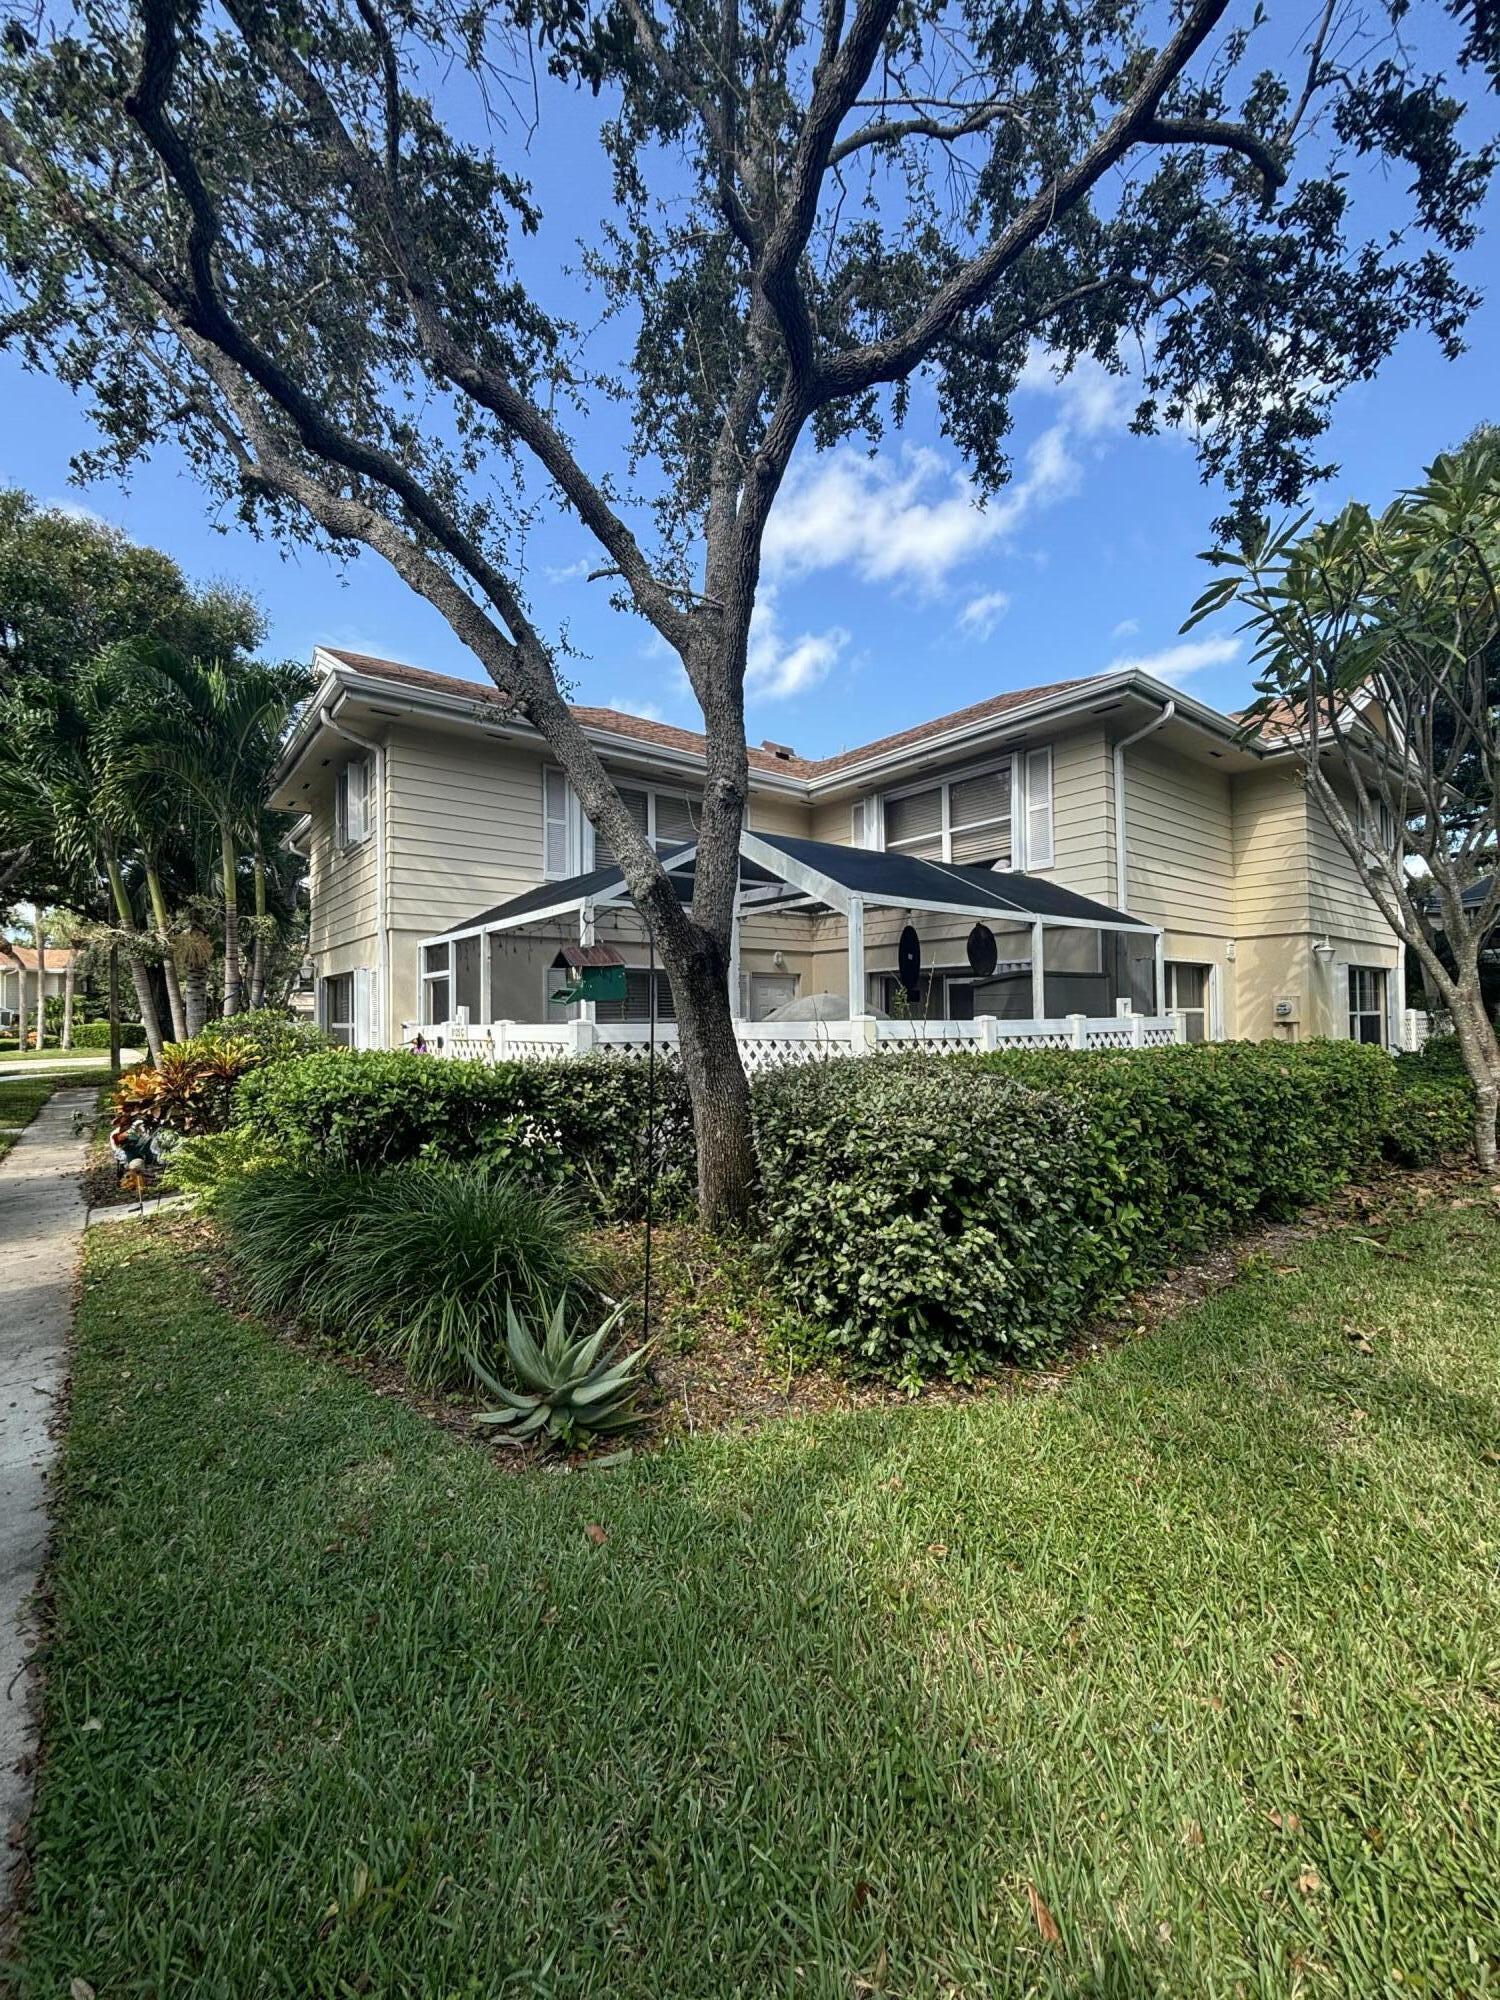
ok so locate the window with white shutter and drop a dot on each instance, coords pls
(555, 803)
(966, 819)
(364, 1008)
(914, 823)
(352, 802)
(1039, 846)
(676, 820)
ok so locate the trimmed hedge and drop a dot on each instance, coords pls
(1192, 1142)
(577, 1124)
(95, 1035)
(924, 1214)
(1432, 1109)
(923, 1217)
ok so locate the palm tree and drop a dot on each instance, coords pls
(55, 748)
(211, 730)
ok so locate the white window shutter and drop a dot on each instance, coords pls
(1039, 842)
(555, 790)
(364, 988)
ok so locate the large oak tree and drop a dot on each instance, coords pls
(264, 230)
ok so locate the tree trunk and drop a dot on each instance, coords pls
(716, 1081)
(140, 972)
(1480, 1049)
(70, 976)
(230, 863)
(168, 962)
(258, 958)
(195, 997)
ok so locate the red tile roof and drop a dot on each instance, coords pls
(668, 736)
(57, 959)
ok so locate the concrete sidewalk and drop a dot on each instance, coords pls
(41, 1222)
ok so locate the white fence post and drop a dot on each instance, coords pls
(864, 1035)
(1137, 1031)
(501, 1032)
(1179, 1026)
(1078, 1030)
(584, 1037)
(989, 1032)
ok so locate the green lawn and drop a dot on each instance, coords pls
(10, 1053)
(1180, 1680)
(22, 1097)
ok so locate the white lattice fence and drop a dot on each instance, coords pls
(768, 1044)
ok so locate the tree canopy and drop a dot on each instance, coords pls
(301, 243)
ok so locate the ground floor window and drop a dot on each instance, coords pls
(338, 1008)
(1188, 990)
(636, 1006)
(437, 984)
(1367, 1004)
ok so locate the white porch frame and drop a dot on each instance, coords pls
(796, 884)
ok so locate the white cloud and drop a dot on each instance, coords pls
(626, 704)
(776, 667)
(1126, 629)
(572, 572)
(982, 614)
(913, 517)
(1175, 663)
(74, 510)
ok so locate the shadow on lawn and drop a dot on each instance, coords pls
(964, 1701)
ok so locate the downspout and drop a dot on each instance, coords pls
(1121, 747)
(382, 912)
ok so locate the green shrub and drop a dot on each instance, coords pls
(1191, 1142)
(191, 1090)
(272, 1032)
(578, 1125)
(204, 1164)
(927, 1217)
(1431, 1114)
(416, 1262)
(95, 1035)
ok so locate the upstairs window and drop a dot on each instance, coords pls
(965, 819)
(556, 813)
(666, 818)
(352, 802)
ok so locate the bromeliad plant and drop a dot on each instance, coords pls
(568, 1384)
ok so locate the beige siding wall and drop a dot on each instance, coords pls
(341, 887)
(1270, 853)
(774, 812)
(830, 820)
(1340, 902)
(1179, 842)
(1083, 815)
(465, 826)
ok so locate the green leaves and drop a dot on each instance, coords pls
(569, 1386)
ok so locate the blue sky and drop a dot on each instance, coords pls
(889, 595)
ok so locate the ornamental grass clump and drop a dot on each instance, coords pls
(415, 1263)
(569, 1386)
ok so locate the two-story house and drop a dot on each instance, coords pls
(1156, 858)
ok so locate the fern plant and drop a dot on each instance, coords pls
(567, 1384)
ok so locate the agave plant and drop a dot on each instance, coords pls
(567, 1384)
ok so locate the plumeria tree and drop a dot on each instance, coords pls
(256, 231)
(1378, 645)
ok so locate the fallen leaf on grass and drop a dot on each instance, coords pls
(1046, 1923)
(1309, 1882)
(1192, 1833)
(596, 1534)
(1285, 1822)
(79, 1989)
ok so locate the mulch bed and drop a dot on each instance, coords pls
(723, 1358)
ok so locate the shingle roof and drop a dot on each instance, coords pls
(57, 959)
(668, 736)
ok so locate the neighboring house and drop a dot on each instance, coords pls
(429, 805)
(18, 958)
